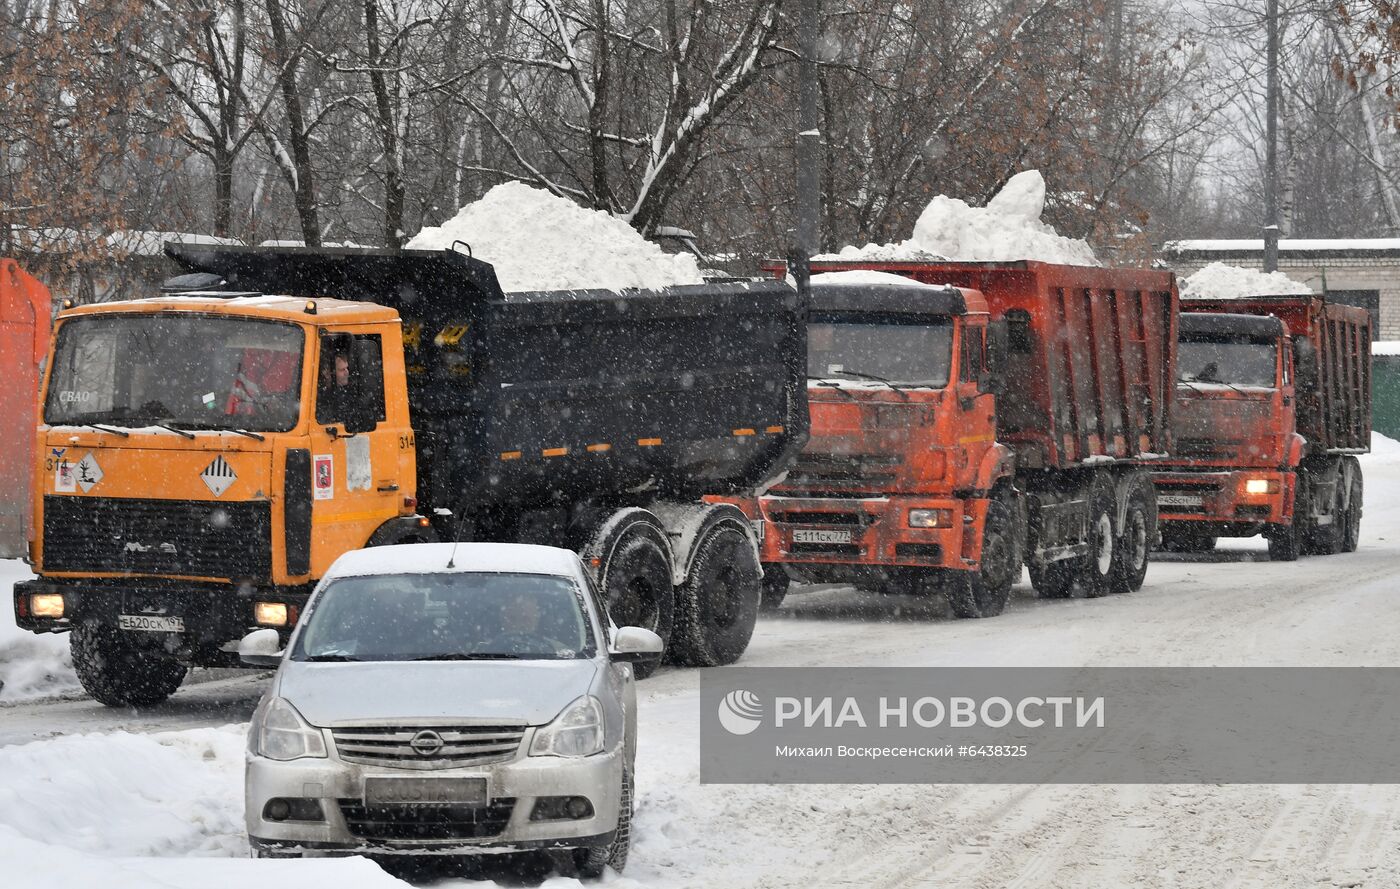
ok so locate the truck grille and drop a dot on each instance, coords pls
(1208, 448)
(192, 538)
(459, 746)
(842, 474)
(426, 821)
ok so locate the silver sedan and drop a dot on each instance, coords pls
(448, 699)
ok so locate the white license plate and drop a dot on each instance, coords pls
(151, 623)
(419, 791)
(1179, 500)
(820, 535)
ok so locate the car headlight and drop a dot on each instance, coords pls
(576, 731)
(278, 732)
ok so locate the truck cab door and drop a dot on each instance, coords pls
(355, 445)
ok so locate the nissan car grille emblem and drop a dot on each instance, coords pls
(426, 743)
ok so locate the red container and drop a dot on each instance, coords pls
(25, 313)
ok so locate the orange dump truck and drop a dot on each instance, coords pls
(996, 416)
(1273, 404)
(25, 309)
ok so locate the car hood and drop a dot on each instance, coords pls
(532, 692)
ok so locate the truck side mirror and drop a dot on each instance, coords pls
(1304, 363)
(998, 347)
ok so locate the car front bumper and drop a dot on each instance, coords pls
(502, 825)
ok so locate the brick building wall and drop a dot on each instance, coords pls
(1321, 267)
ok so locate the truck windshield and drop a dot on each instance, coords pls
(183, 370)
(897, 351)
(1235, 361)
(468, 616)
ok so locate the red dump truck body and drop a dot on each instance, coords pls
(901, 485)
(1251, 452)
(25, 310)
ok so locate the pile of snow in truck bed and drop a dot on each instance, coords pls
(1222, 281)
(31, 666)
(539, 241)
(1007, 229)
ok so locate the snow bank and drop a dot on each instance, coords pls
(1384, 449)
(865, 276)
(1222, 281)
(30, 666)
(1007, 229)
(1386, 347)
(538, 241)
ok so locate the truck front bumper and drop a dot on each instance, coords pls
(871, 532)
(504, 823)
(1222, 503)
(212, 614)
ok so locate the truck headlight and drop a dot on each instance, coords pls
(278, 732)
(576, 731)
(930, 518)
(1261, 486)
(46, 605)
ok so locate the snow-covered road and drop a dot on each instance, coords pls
(176, 793)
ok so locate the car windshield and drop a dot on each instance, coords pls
(881, 350)
(1230, 360)
(179, 369)
(465, 616)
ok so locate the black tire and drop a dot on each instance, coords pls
(1328, 540)
(985, 592)
(775, 587)
(1176, 539)
(634, 574)
(718, 604)
(118, 674)
(1286, 541)
(1352, 538)
(1131, 555)
(592, 863)
(1054, 581)
(1095, 570)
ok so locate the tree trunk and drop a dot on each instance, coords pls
(388, 130)
(305, 187)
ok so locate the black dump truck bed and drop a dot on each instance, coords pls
(524, 400)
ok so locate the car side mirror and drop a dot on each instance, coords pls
(261, 648)
(1304, 363)
(633, 644)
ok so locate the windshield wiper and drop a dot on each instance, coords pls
(332, 658)
(181, 432)
(256, 436)
(215, 427)
(100, 428)
(829, 384)
(877, 378)
(472, 656)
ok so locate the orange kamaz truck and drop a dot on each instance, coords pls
(207, 453)
(1273, 405)
(969, 418)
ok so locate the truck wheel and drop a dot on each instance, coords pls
(591, 863)
(717, 605)
(775, 587)
(118, 674)
(1096, 569)
(1327, 540)
(634, 572)
(1054, 581)
(1286, 541)
(1134, 544)
(1352, 538)
(985, 592)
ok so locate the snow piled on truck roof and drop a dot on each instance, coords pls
(1223, 281)
(1007, 229)
(540, 241)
